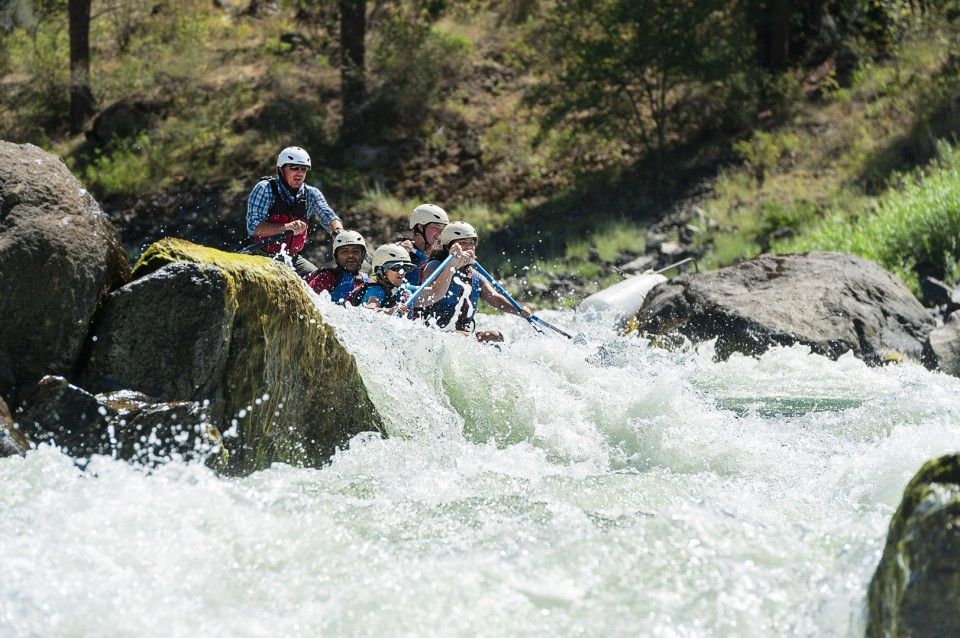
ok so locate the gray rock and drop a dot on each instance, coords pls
(829, 301)
(59, 257)
(242, 333)
(166, 334)
(12, 440)
(125, 118)
(126, 425)
(670, 249)
(941, 349)
(916, 588)
(640, 264)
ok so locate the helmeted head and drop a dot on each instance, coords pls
(428, 220)
(455, 232)
(349, 250)
(391, 257)
(292, 165)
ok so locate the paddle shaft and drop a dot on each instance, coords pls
(432, 278)
(533, 319)
(272, 239)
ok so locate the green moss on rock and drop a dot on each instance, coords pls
(916, 588)
(292, 389)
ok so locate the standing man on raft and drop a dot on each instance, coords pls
(285, 202)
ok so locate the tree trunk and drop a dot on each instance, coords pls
(81, 97)
(353, 29)
(773, 34)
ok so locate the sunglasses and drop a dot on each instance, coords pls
(400, 268)
(297, 168)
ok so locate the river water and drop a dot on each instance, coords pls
(548, 488)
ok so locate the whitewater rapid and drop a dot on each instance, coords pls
(546, 488)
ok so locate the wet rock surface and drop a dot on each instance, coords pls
(125, 425)
(242, 333)
(915, 589)
(59, 257)
(12, 440)
(832, 302)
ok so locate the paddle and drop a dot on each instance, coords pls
(272, 239)
(433, 276)
(533, 319)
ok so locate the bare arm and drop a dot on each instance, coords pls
(498, 301)
(441, 284)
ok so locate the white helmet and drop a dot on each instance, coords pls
(456, 230)
(389, 253)
(348, 238)
(293, 155)
(428, 214)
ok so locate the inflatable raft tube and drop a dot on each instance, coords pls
(620, 301)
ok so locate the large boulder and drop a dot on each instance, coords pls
(916, 588)
(59, 257)
(125, 425)
(243, 334)
(831, 302)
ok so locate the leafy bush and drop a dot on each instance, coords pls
(412, 62)
(914, 231)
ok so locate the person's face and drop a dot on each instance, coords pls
(396, 271)
(432, 231)
(394, 277)
(350, 258)
(294, 174)
(466, 244)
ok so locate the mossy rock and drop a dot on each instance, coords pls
(916, 588)
(241, 332)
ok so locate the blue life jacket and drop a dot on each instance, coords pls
(343, 288)
(389, 297)
(456, 301)
(419, 259)
(337, 281)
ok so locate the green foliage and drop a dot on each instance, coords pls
(382, 204)
(39, 103)
(914, 230)
(411, 65)
(762, 152)
(645, 73)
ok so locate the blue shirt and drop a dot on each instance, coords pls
(261, 199)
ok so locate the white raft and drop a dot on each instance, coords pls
(621, 301)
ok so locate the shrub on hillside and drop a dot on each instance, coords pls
(411, 64)
(914, 231)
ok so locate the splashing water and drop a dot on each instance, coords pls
(543, 488)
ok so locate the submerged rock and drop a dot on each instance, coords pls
(12, 440)
(240, 332)
(916, 588)
(59, 257)
(126, 425)
(831, 302)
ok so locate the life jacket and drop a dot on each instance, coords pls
(456, 303)
(389, 296)
(420, 259)
(282, 212)
(337, 281)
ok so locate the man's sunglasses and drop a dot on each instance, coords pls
(297, 168)
(399, 268)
